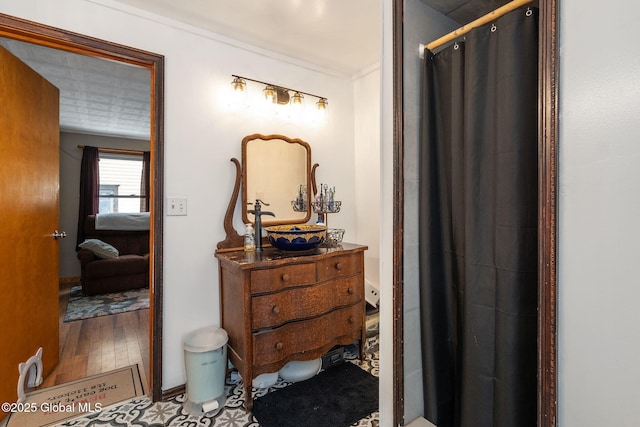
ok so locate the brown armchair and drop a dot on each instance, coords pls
(128, 270)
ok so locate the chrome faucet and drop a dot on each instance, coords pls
(258, 212)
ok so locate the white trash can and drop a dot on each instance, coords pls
(205, 357)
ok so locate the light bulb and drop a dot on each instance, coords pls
(297, 99)
(239, 85)
(322, 104)
(296, 108)
(269, 93)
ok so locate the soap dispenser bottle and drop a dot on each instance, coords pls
(249, 239)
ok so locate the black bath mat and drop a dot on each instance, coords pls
(337, 397)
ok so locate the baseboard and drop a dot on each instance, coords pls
(69, 280)
(173, 392)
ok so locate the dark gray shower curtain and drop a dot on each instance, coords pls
(478, 227)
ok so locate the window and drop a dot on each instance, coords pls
(120, 183)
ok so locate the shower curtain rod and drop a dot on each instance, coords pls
(502, 10)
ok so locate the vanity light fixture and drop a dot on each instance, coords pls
(239, 84)
(269, 93)
(297, 99)
(297, 104)
(279, 94)
(322, 104)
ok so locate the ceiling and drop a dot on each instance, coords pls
(341, 35)
(99, 96)
(464, 11)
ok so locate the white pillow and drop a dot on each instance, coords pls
(99, 248)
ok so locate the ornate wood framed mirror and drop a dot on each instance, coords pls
(277, 171)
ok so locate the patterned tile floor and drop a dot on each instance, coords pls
(143, 413)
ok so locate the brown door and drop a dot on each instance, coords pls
(29, 174)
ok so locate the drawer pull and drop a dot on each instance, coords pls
(350, 290)
(285, 277)
(338, 266)
(279, 346)
(275, 309)
(351, 319)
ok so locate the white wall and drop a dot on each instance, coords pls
(598, 208)
(386, 218)
(366, 96)
(70, 159)
(201, 135)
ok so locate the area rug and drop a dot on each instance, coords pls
(82, 306)
(52, 405)
(336, 397)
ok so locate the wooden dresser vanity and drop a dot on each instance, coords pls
(278, 307)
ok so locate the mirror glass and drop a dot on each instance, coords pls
(277, 171)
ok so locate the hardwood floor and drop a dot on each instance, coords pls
(100, 344)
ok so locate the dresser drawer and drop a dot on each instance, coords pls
(276, 309)
(274, 279)
(339, 266)
(275, 345)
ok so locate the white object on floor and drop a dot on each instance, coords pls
(265, 380)
(371, 293)
(30, 374)
(300, 370)
(420, 422)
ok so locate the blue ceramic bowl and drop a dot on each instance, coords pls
(299, 237)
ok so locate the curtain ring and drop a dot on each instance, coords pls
(456, 46)
(493, 28)
(529, 12)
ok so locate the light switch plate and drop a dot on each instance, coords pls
(176, 206)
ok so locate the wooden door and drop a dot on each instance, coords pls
(29, 175)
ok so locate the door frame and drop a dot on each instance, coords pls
(40, 34)
(547, 212)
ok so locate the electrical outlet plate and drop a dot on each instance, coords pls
(176, 206)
